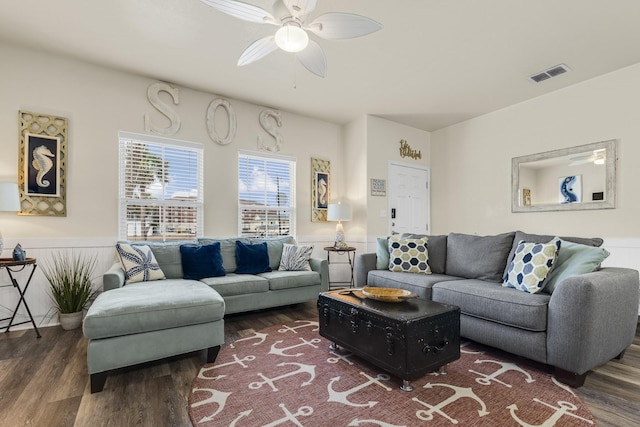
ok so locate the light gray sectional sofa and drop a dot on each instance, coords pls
(132, 323)
(241, 292)
(587, 319)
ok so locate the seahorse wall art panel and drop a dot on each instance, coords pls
(320, 188)
(42, 164)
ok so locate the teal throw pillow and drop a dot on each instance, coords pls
(252, 259)
(201, 261)
(530, 265)
(574, 259)
(382, 254)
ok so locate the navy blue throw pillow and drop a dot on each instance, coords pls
(200, 261)
(252, 259)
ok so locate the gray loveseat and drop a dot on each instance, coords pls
(587, 320)
(133, 323)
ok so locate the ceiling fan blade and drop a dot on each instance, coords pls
(300, 8)
(313, 59)
(241, 10)
(257, 50)
(338, 25)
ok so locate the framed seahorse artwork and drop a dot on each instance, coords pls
(320, 189)
(42, 164)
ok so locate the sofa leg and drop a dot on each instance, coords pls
(212, 353)
(570, 378)
(97, 381)
(621, 355)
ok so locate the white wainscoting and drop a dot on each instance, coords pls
(625, 252)
(38, 295)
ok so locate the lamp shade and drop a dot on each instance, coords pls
(9, 197)
(338, 212)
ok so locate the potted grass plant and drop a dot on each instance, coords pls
(70, 277)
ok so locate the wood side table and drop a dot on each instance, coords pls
(8, 263)
(341, 251)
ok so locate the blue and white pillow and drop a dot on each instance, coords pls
(295, 258)
(139, 263)
(530, 265)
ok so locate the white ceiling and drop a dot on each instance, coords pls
(435, 62)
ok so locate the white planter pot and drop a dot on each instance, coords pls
(70, 321)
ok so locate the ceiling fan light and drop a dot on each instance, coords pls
(291, 38)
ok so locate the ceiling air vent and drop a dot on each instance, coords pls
(551, 72)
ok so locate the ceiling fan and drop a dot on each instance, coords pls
(291, 16)
(597, 157)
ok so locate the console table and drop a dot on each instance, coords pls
(13, 267)
(341, 251)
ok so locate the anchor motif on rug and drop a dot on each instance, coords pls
(338, 357)
(302, 369)
(217, 397)
(505, 367)
(358, 422)
(560, 411)
(240, 416)
(463, 350)
(281, 351)
(303, 411)
(343, 396)
(235, 361)
(459, 393)
(303, 324)
(256, 335)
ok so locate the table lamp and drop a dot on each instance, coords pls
(9, 201)
(339, 212)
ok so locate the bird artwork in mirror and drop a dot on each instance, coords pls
(576, 178)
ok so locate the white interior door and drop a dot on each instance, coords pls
(408, 199)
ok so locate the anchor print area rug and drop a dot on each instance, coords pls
(287, 376)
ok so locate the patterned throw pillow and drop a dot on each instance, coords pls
(408, 255)
(138, 262)
(530, 265)
(295, 258)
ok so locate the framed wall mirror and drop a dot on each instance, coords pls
(576, 178)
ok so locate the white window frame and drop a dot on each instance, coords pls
(290, 208)
(124, 201)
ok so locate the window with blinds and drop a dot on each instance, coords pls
(161, 183)
(266, 195)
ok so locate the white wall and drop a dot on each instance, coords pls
(383, 145)
(99, 102)
(471, 177)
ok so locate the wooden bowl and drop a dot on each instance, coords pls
(387, 294)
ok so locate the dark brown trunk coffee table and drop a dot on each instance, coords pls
(407, 339)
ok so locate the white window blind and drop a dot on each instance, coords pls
(161, 183)
(266, 195)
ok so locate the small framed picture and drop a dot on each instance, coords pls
(378, 187)
(570, 189)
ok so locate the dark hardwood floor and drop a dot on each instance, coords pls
(44, 382)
